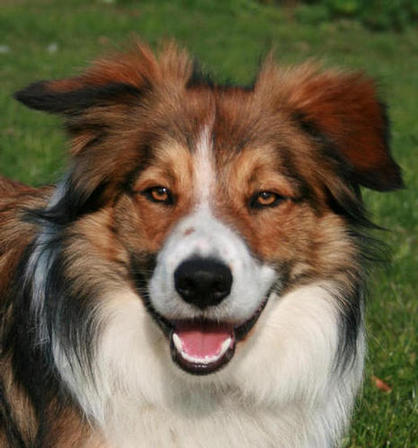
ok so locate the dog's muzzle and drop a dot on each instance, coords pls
(207, 290)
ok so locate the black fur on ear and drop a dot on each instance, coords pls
(42, 96)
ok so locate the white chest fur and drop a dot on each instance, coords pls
(281, 389)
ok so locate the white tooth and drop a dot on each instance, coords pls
(225, 345)
(177, 342)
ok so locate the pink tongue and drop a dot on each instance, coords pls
(203, 341)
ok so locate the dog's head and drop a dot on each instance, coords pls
(206, 200)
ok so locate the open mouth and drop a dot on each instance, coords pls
(201, 346)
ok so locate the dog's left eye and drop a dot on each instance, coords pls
(159, 194)
(265, 199)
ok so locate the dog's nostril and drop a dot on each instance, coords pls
(203, 282)
(218, 287)
(185, 286)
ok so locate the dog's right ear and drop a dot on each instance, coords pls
(116, 79)
(50, 96)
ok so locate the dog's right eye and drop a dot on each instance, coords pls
(159, 194)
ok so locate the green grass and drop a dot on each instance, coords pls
(230, 36)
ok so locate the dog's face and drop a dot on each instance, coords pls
(228, 219)
(207, 201)
(214, 270)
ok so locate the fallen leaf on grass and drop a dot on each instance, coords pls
(381, 385)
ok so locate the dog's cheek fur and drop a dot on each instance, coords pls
(142, 226)
(103, 310)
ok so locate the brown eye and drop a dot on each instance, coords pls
(265, 199)
(159, 194)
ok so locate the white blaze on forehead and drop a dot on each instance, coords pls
(204, 168)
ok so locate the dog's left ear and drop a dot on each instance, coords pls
(343, 111)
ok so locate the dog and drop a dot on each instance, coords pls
(197, 277)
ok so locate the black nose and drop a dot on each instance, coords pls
(203, 282)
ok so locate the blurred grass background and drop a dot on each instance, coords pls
(44, 39)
